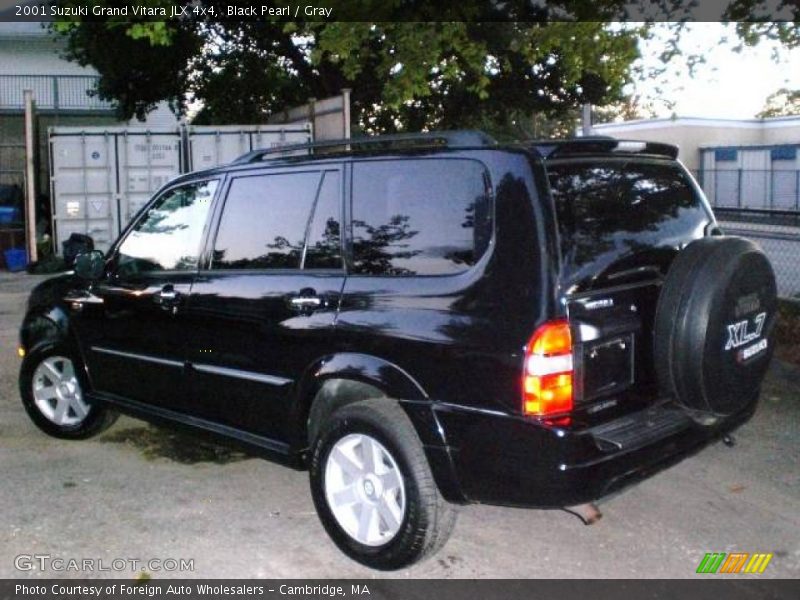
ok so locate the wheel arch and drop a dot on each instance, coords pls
(50, 325)
(344, 378)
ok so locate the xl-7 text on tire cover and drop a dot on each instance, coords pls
(421, 321)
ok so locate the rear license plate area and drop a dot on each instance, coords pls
(607, 366)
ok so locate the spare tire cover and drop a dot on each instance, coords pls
(713, 326)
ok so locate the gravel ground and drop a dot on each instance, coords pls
(147, 493)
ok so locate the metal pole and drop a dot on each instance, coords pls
(346, 112)
(586, 120)
(30, 178)
(772, 189)
(739, 190)
(797, 190)
(312, 111)
(55, 94)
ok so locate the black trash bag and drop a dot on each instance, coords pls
(77, 243)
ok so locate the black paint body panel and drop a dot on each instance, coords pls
(236, 359)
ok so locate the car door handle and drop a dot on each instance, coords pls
(167, 298)
(306, 302)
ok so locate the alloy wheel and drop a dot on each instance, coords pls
(57, 392)
(365, 489)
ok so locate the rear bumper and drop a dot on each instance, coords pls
(507, 460)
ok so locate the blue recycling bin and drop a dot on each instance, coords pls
(16, 259)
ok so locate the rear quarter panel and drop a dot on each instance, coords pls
(461, 337)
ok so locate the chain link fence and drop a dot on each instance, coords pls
(765, 207)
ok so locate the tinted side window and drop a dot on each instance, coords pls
(264, 221)
(323, 249)
(419, 217)
(168, 236)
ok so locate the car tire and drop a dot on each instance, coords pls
(386, 511)
(52, 384)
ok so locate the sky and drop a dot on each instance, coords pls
(729, 85)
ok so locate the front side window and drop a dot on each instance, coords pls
(419, 217)
(169, 234)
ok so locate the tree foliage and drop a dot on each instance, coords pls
(403, 75)
(502, 63)
(783, 103)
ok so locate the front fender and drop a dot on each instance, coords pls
(44, 326)
(47, 319)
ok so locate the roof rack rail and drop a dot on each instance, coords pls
(451, 139)
(600, 145)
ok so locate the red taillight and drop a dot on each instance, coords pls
(547, 380)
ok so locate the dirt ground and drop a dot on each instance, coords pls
(148, 493)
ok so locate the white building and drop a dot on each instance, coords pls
(31, 58)
(748, 163)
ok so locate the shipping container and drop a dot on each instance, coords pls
(211, 146)
(101, 176)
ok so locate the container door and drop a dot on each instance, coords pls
(213, 146)
(288, 136)
(84, 186)
(147, 160)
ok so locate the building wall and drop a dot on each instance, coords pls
(783, 132)
(29, 49)
(36, 56)
(691, 135)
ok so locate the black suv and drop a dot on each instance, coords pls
(421, 321)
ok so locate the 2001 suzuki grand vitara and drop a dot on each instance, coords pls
(422, 321)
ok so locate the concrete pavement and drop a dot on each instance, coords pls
(147, 493)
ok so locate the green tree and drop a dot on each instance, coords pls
(404, 75)
(512, 65)
(783, 103)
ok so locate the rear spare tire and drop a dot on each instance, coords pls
(713, 326)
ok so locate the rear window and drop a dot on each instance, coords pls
(419, 217)
(615, 210)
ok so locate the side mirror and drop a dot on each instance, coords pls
(90, 266)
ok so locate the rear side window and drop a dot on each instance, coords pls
(267, 218)
(419, 217)
(615, 208)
